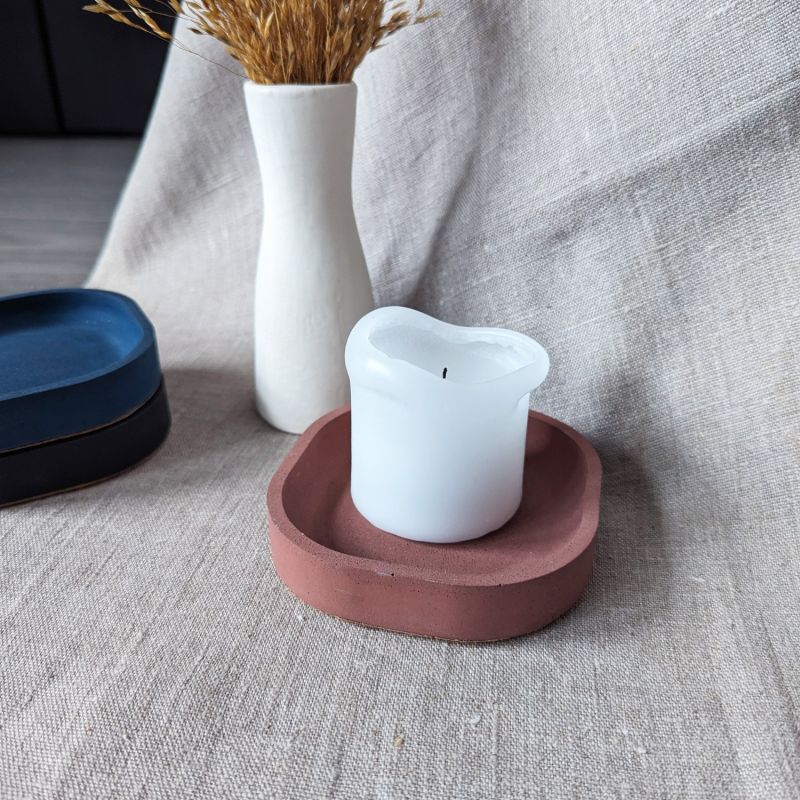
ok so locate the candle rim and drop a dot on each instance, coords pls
(401, 316)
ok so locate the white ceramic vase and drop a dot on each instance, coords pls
(312, 283)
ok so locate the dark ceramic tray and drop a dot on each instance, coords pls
(86, 458)
(506, 584)
(71, 360)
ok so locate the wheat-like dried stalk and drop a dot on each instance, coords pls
(279, 41)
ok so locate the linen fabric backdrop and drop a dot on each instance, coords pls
(617, 179)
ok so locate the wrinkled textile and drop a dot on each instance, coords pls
(619, 180)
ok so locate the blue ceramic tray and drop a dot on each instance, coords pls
(71, 361)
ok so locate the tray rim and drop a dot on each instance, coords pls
(146, 341)
(279, 519)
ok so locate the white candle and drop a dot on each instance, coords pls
(439, 420)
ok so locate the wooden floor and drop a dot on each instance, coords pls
(56, 201)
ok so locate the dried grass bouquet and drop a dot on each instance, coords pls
(279, 41)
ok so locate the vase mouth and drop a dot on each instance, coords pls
(297, 88)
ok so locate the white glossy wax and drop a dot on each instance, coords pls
(436, 456)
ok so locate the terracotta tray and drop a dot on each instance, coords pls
(87, 458)
(506, 584)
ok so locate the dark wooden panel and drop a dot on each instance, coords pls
(106, 74)
(27, 104)
(56, 199)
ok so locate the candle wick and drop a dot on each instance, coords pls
(444, 374)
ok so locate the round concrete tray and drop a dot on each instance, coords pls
(506, 584)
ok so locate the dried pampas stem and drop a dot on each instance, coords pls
(279, 41)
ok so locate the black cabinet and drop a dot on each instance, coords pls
(67, 71)
(27, 102)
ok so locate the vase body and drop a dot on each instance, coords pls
(312, 283)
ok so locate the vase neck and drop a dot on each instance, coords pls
(303, 137)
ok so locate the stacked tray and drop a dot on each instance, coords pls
(81, 391)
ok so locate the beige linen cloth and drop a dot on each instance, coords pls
(620, 180)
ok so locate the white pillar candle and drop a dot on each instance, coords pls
(439, 420)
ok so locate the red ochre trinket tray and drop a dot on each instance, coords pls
(509, 583)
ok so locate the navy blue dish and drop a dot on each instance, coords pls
(71, 361)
